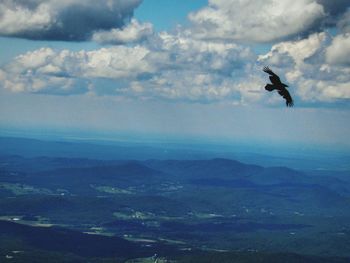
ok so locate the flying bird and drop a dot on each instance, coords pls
(279, 86)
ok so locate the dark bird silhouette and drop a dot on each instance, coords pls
(279, 86)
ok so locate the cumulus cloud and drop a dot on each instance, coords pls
(195, 70)
(294, 52)
(339, 51)
(66, 72)
(344, 23)
(314, 70)
(180, 67)
(264, 21)
(133, 32)
(259, 21)
(74, 20)
(199, 63)
(171, 66)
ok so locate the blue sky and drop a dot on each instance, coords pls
(178, 69)
(165, 15)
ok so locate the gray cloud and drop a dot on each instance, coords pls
(334, 7)
(69, 20)
(344, 22)
(265, 21)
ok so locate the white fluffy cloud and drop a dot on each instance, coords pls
(257, 21)
(339, 51)
(264, 21)
(170, 66)
(133, 32)
(200, 63)
(294, 51)
(67, 72)
(62, 20)
(196, 70)
(179, 67)
(311, 69)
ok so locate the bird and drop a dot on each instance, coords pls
(279, 86)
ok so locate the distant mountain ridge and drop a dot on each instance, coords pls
(32, 148)
(217, 169)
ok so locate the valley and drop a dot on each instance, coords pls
(176, 209)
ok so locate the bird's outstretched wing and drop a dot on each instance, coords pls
(285, 94)
(273, 77)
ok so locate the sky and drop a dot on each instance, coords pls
(177, 69)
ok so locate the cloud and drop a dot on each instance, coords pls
(131, 33)
(69, 20)
(264, 21)
(257, 21)
(66, 72)
(334, 8)
(201, 63)
(344, 23)
(170, 66)
(199, 71)
(338, 53)
(294, 52)
(316, 69)
(178, 67)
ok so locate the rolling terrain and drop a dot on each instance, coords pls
(180, 210)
